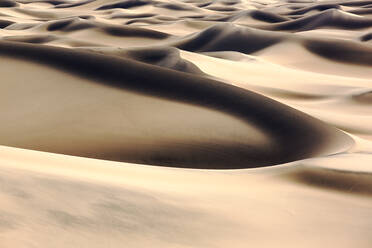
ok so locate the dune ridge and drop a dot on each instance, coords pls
(169, 84)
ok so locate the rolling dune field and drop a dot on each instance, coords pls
(185, 123)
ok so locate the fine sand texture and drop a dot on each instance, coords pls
(185, 123)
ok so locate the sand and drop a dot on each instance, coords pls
(156, 123)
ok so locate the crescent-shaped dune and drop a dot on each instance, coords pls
(139, 85)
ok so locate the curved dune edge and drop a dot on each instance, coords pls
(308, 137)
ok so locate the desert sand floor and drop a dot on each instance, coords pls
(195, 123)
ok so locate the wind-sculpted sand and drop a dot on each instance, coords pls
(143, 123)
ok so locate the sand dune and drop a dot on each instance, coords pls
(144, 79)
(332, 17)
(169, 123)
(228, 37)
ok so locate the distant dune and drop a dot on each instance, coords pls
(169, 123)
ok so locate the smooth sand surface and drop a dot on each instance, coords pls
(153, 123)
